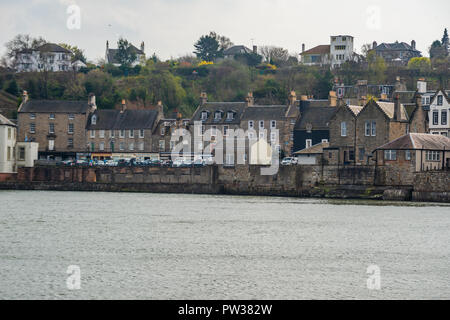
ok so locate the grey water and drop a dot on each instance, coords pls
(170, 246)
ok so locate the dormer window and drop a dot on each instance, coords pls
(440, 100)
(94, 119)
(204, 115)
(261, 124)
(218, 115)
(230, 115)
(273, 124)
(250, 124)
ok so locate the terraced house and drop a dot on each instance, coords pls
(355, 132)
(57, 125)
(122, 133)
(439, 113)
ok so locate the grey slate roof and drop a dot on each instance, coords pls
(55, 106)
(418, 141)
(128, 120)
(212, 107)
(269, 112)
(396, 46)
(236, 50)
(47, 47)
(318, 117)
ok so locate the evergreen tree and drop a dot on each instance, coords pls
(445, 37)
(13, 88)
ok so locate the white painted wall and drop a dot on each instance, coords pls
(346, 41)
(439, 128)
(8, 135)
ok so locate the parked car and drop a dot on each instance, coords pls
(178, 163)
(167, 163)
(289, 161)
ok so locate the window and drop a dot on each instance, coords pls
(131, 146)
(362, 152)
(70, 129)
(213, 131)
(229, 159)
(435, 118)
(92, 133)
(21, 153)
(433, 156)
(141, 146)
(324, 140)
(70, 143)
(122, 146)
(71, 116)
(32, 116)
(141, 133)
(407, 155)
(122, 133)
(101, 134)
(8, 154)
(273, 124)
(261, 124)
(390, 155)
(440, 100)
(343, 129)
(32, 128)
(204, 115)
(131, 134)
(273, 136)
(370, 128)
(101, 146)
(230, 115)
(218, 115)
(351, 155)
(251, 136)
(444, 117)
(261, 135)
(250, 124)
(112, 133)
(51, 128)
(162, 145)
(225, 131)
(367, 129)
(9, 133)
(308, 143)
(52, 116)
(163, 131)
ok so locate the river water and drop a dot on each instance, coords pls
(166, 246)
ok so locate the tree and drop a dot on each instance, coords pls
(125, 54)
(78, 54)
(365, 49)
(445, 39)
(377, 67)
(274, 55)
(423, 64)
(250, 59)
(19, 43)
(13, 88)
(208, 47)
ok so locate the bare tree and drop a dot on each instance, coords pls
(275, 55)
(19, 43)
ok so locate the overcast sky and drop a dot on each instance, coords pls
(169, 28)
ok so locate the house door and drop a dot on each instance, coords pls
(51, 145)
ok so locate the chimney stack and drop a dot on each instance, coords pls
(303, 47)
(91, 102)
(142, 46)
(292, 98)
(374, 45)
(332, 98)
(160, 108)
(107, 44)
(413, 44)
(24, 96)
(397, 107)
(255, 49)
(203, 98)
(250, 101)
(124, 106)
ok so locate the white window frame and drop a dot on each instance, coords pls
(308, 143)
(131, 133)
(343, 129)
(251, 124)
(101, 134)
(273, 124)
(141, 133)
(261, 124)
(101, 146)
(70, 128)
(122, 133)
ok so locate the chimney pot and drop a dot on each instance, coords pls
(255, 49)
(203, 98)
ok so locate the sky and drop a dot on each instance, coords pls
(169, 28)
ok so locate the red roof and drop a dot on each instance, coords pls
(322, 49)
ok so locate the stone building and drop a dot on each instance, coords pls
(264, 120)
(415, 152)
(397, 53)
(355, 132)
(122, 133)
(111, 55)
(48, 57)
(163, 141)
(57, 125)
